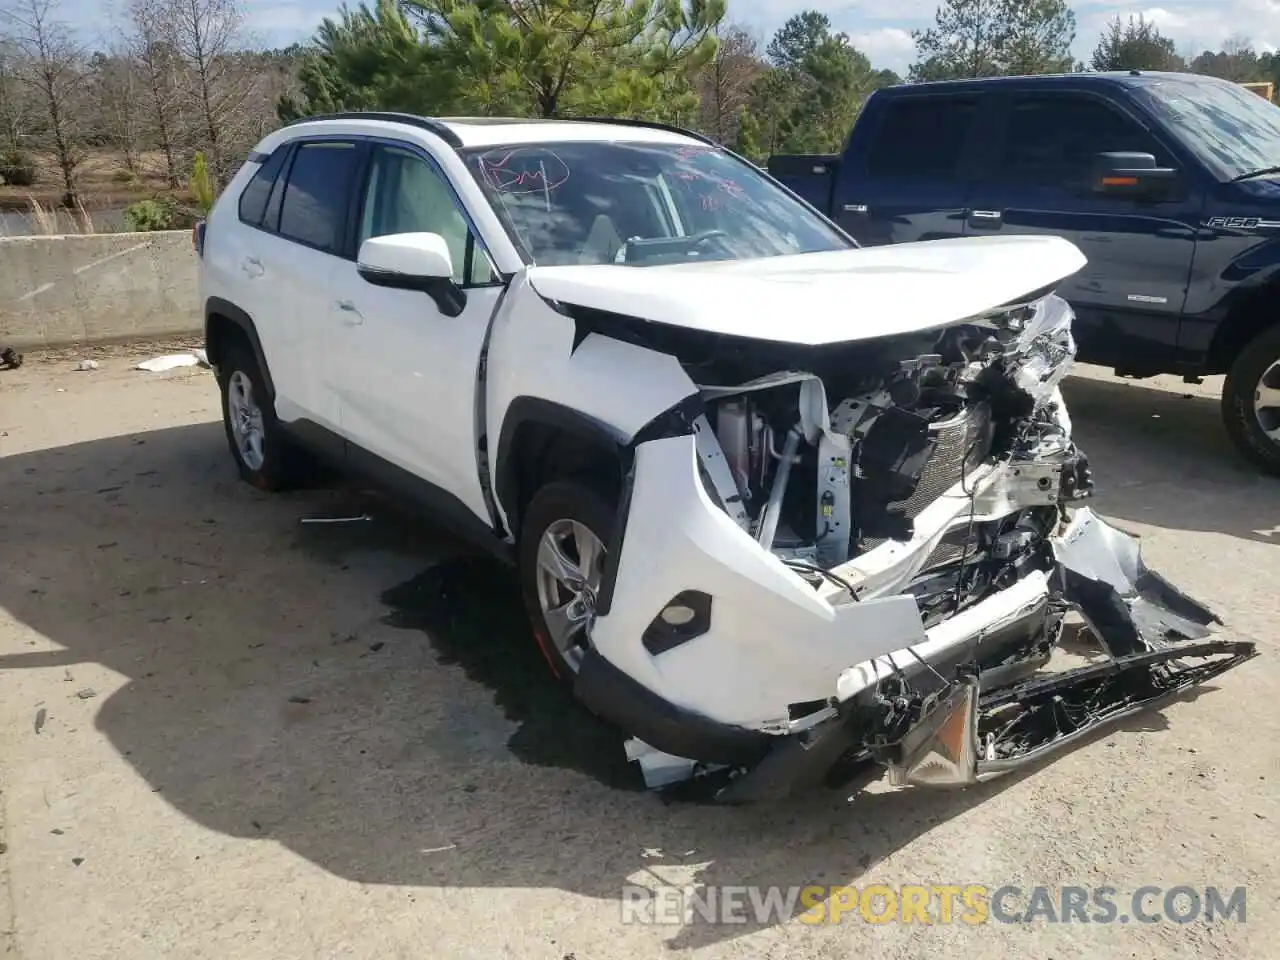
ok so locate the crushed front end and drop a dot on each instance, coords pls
(870, 554)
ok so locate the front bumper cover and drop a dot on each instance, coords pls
(934, 714)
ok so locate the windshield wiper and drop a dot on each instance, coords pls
(1265, 171)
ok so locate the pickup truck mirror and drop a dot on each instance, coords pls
(1132, 175)
(413, 261)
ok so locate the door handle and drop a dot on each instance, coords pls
(350, 315)
(252, 266)
(986, 219)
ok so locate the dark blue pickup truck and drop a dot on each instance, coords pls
(1169, 183)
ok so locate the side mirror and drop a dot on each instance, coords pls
(413, 261)
(1132, 175)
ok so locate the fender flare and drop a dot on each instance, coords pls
(525, 410)
(216, 306)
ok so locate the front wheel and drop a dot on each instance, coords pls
(562, 550)
(1251, 401)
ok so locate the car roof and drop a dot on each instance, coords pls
(1083, 78)
(463, 132)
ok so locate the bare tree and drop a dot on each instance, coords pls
(116, 92)
(206, 35)
(151, 45)
(53, 67)
(725, 84)
(15, 101)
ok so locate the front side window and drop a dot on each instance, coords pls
(405, 194)
(314, 208)
(642, 203)
(1054, 139)
(1232, 130)
(921, 138)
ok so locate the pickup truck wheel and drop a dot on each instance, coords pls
(561, 561)
(1251, 401)
(263, 457)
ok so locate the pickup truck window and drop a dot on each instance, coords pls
(921, 138)
(1052, 139)
(1232, 130)
(642, 203)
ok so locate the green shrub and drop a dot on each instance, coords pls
(201, 185)
(145, 215)
(124, 176)
(17, 169)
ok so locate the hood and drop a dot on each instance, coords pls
(818, 298)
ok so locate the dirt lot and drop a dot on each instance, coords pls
(227, 734)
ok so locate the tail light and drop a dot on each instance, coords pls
(197, 238)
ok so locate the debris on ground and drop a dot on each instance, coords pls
(41, 716)
(173, 361)
(10, 359)
(87, 693)
(87, 365)
(363, 516)
(296, 699)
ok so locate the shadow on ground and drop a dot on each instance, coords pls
(312, 684)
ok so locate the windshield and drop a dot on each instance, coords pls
(642, 204)
(1230, 128)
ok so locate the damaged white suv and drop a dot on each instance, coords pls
(776, 502)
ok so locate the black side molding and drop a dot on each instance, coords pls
(216, 306)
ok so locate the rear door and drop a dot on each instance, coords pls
(908, 177)
(314, 220)
(1129, 296)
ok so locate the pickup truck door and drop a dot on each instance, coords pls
(906, 174)
(1037, 180)
(404, 373)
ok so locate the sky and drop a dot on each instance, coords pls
(880, 28)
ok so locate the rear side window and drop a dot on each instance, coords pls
(314, 210)
(253, 201)
(921, 138)
(1053, 140)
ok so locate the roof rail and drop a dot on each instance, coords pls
(648, 124)
(424, 123)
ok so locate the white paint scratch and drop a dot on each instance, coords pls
(46, 287)
(108, 258)
(36, 292)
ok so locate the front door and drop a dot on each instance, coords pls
(1129, 296)
(404, 374)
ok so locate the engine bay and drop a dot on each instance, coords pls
(819, 483)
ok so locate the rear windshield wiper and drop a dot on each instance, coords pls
(1265, 171)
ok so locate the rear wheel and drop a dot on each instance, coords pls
(262, 454)
(1251, 401)
(562, 551)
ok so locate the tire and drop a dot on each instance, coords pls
(562, 511)
(271, 463)
(1256, 368)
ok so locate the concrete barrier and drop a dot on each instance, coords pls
(57, 291)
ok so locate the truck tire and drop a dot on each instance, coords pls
(263, 455)
(1251, 401)
(565, 523)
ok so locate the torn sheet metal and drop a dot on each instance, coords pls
(1131, 608)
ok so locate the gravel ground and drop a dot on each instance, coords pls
(227, 734)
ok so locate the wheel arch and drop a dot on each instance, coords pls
(1254, 311)
(542, 441)
(224, 324)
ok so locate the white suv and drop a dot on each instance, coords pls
(775, 501)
